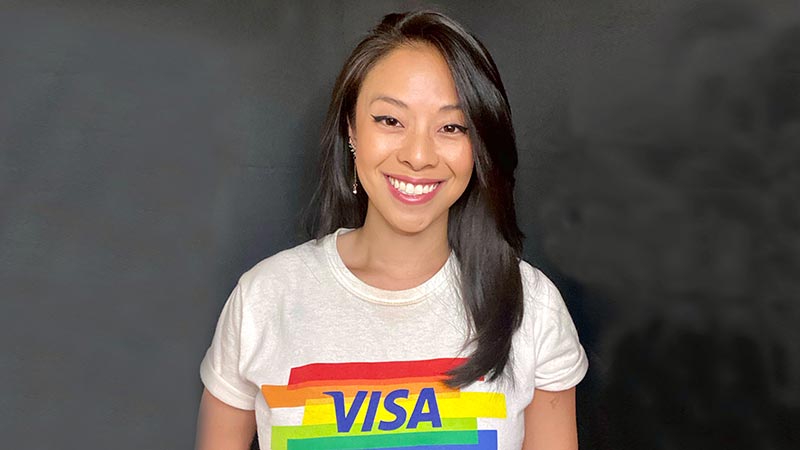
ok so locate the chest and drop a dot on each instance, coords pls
(333, 376)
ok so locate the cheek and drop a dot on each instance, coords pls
(462, 163)
(373, 148)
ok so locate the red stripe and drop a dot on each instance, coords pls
(373, 370)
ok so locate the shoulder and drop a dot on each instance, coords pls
(539, 291)
(548, 334)
(284, 270)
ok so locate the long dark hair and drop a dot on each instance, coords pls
(482, 224)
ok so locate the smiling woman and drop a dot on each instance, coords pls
(410, 321)
(414, 156)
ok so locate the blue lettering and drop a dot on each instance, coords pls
(372, 409)
(427, 396)
(395, 409)
(344, 419)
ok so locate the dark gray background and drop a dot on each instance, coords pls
(152, 151)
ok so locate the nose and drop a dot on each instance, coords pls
(419, 152)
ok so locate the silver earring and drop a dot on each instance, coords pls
(355, 174)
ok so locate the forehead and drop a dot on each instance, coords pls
(416, 74)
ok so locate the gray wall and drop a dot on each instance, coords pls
(151, 151)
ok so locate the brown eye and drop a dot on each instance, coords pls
(386, 120)
(452, 129)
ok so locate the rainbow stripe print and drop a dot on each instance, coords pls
(382, 405)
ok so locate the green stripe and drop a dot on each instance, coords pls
(386, 440)
(281, 434)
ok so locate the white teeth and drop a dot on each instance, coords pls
(411, 189)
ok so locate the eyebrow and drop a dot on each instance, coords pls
(400, 104)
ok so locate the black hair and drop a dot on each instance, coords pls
(482, 224)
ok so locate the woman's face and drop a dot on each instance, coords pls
(414, 155)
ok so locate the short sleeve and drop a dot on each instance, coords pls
(221, 368)
(561, 362)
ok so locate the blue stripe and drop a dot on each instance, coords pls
(487, 440)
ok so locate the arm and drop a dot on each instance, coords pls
(550, 421)
(223, 427)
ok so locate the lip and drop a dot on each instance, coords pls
(413, 199)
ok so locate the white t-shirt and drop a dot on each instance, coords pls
(329, 362)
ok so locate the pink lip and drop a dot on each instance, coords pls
(413, 199)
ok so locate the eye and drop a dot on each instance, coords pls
(453, 129)
(387, 120)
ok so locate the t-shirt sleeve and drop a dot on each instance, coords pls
(221, 368)
(561, 362)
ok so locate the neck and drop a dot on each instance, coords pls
(387, 249)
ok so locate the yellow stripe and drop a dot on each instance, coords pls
(474, 404)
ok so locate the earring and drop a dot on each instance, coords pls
(355, 174)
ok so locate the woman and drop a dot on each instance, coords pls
(410, 322)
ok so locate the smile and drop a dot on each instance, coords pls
(412, 193)
(412, 189)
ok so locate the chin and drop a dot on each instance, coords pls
(412, 225)
(409, 222)
(410, 228)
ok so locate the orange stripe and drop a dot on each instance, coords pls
(282, 397)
